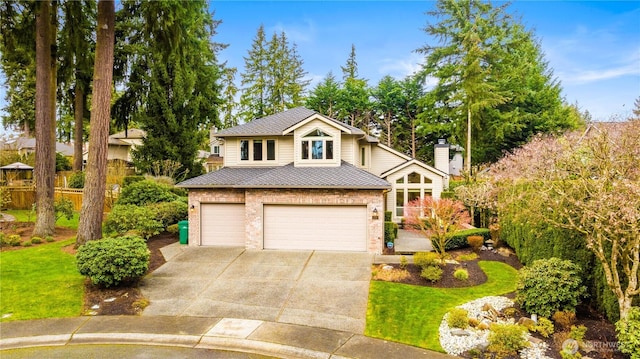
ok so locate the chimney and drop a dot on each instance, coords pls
(441, 159)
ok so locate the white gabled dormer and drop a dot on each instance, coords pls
(317, 143)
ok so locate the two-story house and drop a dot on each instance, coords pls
(301, 180)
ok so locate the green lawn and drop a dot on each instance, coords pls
(22, 215)
(40, 282)
(412, 314)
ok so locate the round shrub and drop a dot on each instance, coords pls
(127, 218)
(36, 240)
(461, 274)
(173, 229)
(14, 240)
(49, 239)
(431, 273)
(145, 192)
(507, 339)
(544, 327)
(628, 330)
(27, 244)
(111, 261)
(170, 212)
(549, 285)
(76, 180)
(426, 259)
(458, 318)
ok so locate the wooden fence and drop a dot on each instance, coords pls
(24, 197)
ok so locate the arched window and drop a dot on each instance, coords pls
(317, 145)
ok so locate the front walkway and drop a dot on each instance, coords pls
(409, 242)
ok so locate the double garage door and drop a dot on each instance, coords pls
(342, 228)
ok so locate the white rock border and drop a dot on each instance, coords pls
(458, 344)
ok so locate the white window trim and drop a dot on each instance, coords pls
(324, 140)
(264, 159)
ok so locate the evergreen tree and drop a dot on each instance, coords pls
(228, 116)
(76, 46)
(325, 96)
(17, 60)
(354, 106)
(388, 101)
(412, 91)
(274, 77)
(253, 100)
(492, 81)
(45, 164)
(172, 88)
(90, 224)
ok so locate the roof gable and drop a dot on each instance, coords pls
(412, 162)
(283, 123)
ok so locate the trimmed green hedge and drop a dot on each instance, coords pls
(459, 238)
(390, 232)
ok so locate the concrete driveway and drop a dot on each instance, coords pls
(319, 289)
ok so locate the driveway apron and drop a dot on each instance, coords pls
(319, 289)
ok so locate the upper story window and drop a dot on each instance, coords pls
(317, 145)
(216, 150)
(258, 150)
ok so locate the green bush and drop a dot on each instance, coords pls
(403, 262)
(173, 228)
(628, 331)
(431, 273)
(459, 238)
(49, 239)
(458, 318)
(125, 218)
(507, 339)
(62, 162)
(461, 274)
(390, 232)
(27, 244)
(63, 207)
(387, 216)
(426, 259)
(170, 212)
(76, 180)
(3, 239)
(549, 285)
(578, 332)
(111, 261)
(544, 327)
(127, 180)
(532, 240)
(14, 240)
(36, 240)
(145, 192)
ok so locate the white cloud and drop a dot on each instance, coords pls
(401, 67)
(298, 33)
(626, 67)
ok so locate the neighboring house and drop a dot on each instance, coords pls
(121, 145)
(301, 180)
(27, 145)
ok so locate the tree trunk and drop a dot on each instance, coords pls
(45, 161)
(78, 115)
(468, 162)
(90, 226)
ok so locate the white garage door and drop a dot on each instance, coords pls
(222, 225)
(342, 228)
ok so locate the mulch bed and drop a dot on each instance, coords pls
(600, 332)
(125, 299)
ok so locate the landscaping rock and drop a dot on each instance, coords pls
(534, 340)
(460, 332)
(109, 300)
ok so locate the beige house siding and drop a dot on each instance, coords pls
(255, 199)
(384, 160)
(349, 145)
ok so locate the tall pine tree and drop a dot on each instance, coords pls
(172, 89)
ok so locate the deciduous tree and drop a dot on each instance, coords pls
(436, 219)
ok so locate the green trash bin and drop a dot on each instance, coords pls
(183, 229)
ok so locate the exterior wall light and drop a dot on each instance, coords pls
(375, 214)
(192, 208)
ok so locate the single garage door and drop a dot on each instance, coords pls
(342, 228)
(222, 224)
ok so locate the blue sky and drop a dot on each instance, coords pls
(593, 47)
